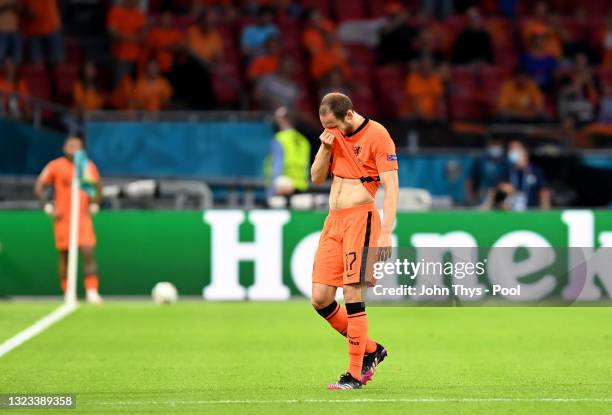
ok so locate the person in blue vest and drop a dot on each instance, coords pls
(288, 166)
(524, 182)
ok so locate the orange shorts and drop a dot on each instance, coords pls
(87, 237)
(339, 259)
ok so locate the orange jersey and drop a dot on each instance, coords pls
(59, 173)
(42, 17)
(86, 98)
(158, 42)
(373, 148)
(130, 23)
(152, 95)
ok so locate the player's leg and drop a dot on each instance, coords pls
(327, 275)
(63, 269)
(363, 230)
(324, 301)
(91, 275)
(370, 223)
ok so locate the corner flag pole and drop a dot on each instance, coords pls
(73, 242)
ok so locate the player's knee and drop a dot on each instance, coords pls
(318, 302)
(352, 293)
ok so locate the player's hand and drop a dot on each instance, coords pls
(327, 139)
(384, 246)
(50, 210)
(94, 208)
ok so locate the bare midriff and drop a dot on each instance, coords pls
(347, 193)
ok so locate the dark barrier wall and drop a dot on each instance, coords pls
(268, 254)
(26, 150)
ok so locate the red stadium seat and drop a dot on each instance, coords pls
(37, 80)
(463, 78)
(390, 76)
(74, 51)
(226, 85)
(361, 55)
(596, 8)
(389, 89)
(506, 56)
(349, 10)
(492, 77)
(605, 74)
(322, 5)
(363, 100)
(377, 7)
(454, 25)
(465, 108)
(65, 76)
(306, 103)
(362, 76)
(182, 23)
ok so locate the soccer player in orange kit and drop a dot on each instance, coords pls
(59, 174)
(360, 155)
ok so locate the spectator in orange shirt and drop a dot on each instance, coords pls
(86, 95)
(41, 23)
(153, 91)
(161, 43)
(425, 93)
(542, 24)
(122, 97)
(268, 63)
(332, 56)
(14, 92)
(317, 27)
(203, 39)
(520, 99)
(125, 22)
(10, 41)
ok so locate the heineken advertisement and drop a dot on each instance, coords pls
(268, 254)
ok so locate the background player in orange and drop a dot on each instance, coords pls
(360, 155)
(59, 174)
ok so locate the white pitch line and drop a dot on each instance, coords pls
(36, 328)
(364, 400)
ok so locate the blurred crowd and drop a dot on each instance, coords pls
(429, 60)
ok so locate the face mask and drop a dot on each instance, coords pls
(514, 156)
(495, 151)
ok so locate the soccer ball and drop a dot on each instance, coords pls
(164, 293)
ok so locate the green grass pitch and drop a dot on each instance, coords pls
(267, 358)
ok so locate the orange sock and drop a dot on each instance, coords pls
(63, 284)
(91, 282)
(357, 335)
(336, 316)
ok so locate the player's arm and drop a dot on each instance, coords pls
(40, 186)
(390, 184)
(39, 190)
(320, 166)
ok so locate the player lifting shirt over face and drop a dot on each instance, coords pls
(360, 155)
